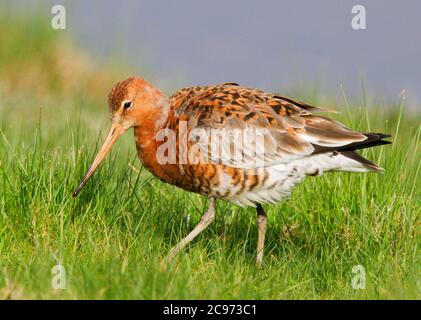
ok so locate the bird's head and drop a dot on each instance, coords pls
(132, 103)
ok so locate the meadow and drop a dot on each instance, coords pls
(112, 240)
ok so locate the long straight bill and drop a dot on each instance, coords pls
(116, 131)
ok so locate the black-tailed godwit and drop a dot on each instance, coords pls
(288, 142)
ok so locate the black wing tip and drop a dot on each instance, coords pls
(377, 136)
(373, 140)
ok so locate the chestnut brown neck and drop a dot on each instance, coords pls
(150, 121)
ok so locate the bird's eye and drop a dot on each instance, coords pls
(127, 104)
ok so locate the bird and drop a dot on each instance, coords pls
(289, 141)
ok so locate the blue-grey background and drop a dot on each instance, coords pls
(269, 44)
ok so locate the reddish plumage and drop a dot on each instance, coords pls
(296, 142)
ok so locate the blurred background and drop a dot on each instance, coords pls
(275, 45)
(113, 237)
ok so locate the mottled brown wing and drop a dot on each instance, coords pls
(288, 128)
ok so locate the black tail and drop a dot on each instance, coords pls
(373, 140)
(349, 150)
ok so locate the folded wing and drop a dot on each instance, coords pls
(257, 128)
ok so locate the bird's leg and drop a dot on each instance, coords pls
(262, 221)
(207, 218)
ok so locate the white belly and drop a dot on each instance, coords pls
(283, 178)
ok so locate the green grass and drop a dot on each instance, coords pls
(113, 238)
